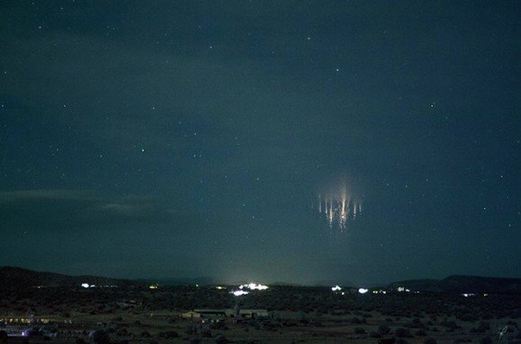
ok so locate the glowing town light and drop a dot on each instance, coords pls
(336, 288)
(219, 287)
(153, 286)
(239, 292)
(85, 285)
(363, 290)
(253, 286)
(379, 292)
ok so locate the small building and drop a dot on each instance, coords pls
(191, 315)
(225, 313)
(253, 313)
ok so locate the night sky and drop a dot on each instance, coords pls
(172, 139)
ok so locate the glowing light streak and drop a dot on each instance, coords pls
(339, 207)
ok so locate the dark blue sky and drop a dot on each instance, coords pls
(192, 138)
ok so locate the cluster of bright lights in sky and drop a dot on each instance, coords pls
(339, 207)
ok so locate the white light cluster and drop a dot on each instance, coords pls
(253, 286)
(86, 285)
(363, 290)
(379, 292)
(239, 292)
(336, 288)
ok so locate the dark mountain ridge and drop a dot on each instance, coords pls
(15, 277)
(463, 284)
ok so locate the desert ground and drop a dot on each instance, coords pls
(294, 315)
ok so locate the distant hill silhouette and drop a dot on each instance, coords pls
(463, 284)
(182, 281)
(17, 278)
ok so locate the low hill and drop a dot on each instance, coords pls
(429, 285)
(463, 284)
(16, 278)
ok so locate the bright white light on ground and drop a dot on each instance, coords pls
(239, 292)
(85, 285)
(153, 286)
(253, 286)
(336, 288)
(363, 290)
